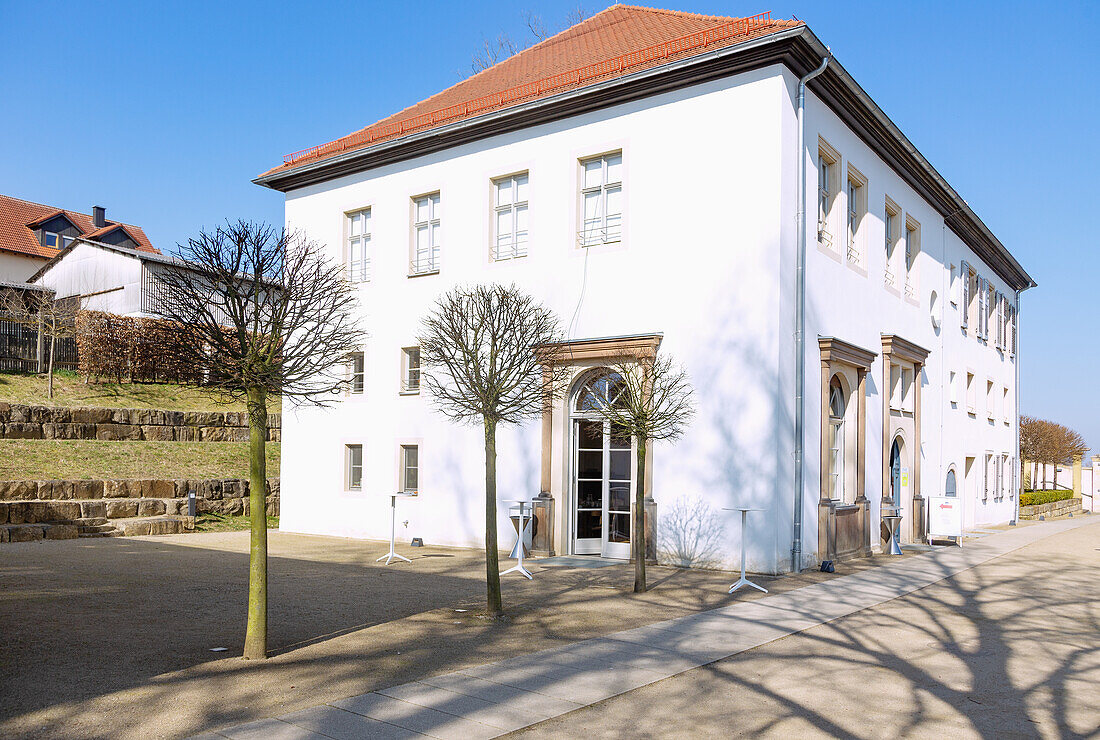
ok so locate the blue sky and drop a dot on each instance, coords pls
(163, 112)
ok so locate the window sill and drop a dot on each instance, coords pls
(409, 393)
(424, 273)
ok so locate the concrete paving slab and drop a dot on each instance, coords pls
(341, 724)
(462, 705)
(415, 717)
(530, 702)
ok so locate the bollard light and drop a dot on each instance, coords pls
(191, 503)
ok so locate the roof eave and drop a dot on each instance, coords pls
(800, 60)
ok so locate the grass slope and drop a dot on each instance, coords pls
(70, 390)
(43, 459)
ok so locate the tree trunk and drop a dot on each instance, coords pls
(49, 369)
(255, 638)
(639, 522)
(492, 564)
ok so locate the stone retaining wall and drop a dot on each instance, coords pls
(64, 509)
(18, 421)
(1053, 509)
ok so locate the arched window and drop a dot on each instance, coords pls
(601, 389)
(836, 440)
(949, 486)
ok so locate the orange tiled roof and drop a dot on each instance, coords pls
(618, 41)
(17, 216)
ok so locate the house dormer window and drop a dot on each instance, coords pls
(53, 240)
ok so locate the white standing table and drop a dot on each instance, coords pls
(519, 548)
(389, 557)
(742, 581)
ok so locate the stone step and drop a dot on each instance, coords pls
(90, 521)
(89, 535)
(138, 526)
(97, 528)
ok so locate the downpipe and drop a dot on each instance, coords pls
(1019, 459)
(800, 321)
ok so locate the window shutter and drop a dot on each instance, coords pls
(1015, 330)
(982, 317)
(964, 270)
(1000, 320)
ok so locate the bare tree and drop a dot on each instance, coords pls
(264, 312)
(490, 354)
(503, 46)
(1049, 443)
(51, 319)
(653, 401)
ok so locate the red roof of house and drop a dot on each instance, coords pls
(17, 217)
(615, 42)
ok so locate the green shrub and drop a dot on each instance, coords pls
(1031, 498)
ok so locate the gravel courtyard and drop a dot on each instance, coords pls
(113, 637)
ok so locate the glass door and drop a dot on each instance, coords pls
(602, 490)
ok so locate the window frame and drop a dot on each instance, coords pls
(357, 376)
(912, 252)
(605, 188)
(855, 214)
(828, 185)
(434, 227)
(409, 387)
(971, 393)
(404, 468)
(350, 483)
(836, 443)
(362, 240)
(518, 248)
(891, 212)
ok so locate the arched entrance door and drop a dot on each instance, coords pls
(602, 480)
(895, 472)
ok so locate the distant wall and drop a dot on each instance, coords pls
(18, 421)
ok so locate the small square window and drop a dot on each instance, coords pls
(357, 370)
(410, 370)
(353, 464)
(410, 468)
(50, 239)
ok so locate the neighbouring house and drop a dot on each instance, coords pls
(32, 233)
(106, 277)
(643, 173)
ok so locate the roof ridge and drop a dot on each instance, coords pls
(681, 13)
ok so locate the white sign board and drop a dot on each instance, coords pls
(945, 516)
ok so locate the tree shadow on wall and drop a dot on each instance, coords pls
(689, 534)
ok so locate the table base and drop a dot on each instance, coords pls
(521, 570)
(389, 557)
(742, 581)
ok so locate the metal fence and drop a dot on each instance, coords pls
(24, 349)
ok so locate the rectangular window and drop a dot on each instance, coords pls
(953, 287)
(426, 235)
(912, 249)
(50, 239)
(410, 468)
(357, 250)
(828, 166)
(890, 227)
(353, 466)
(965, 294)
(602, 200)
(953, 390)
(510, 217)
(1006, 407)
(1006, 476)
(895, 387)
(857, 209)
(410, 370)
(990, 400)
(990, 311)
(971, 394)
(357, 371)
(907, 393)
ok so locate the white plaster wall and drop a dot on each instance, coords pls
(855, 305)
(699, 262)
(709, 249)
(88, 269)
(16, 268)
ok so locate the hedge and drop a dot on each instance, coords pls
(1031, 498)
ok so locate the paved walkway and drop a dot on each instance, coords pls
(490, 700)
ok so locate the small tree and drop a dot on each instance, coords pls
(653, 402)
(1049, 443)
(489, 354)
(51, 319)
(263, 312)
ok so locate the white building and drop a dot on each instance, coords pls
(648, 191)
